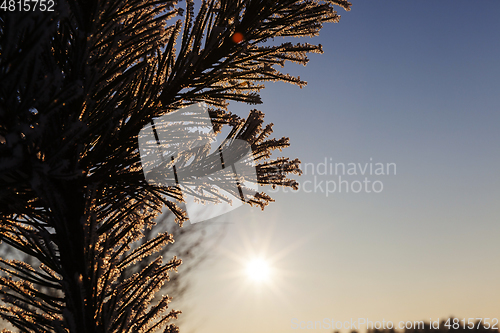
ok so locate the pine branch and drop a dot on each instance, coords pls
(76, 87)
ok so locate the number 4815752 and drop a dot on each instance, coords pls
(27, 5)
(487, 323)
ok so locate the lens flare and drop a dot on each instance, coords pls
(237, 37)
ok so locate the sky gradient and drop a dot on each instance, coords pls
(407, 82)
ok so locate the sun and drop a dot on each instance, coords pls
(258, 270)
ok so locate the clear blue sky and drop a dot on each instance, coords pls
(415, 83)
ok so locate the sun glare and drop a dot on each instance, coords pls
(258, 270)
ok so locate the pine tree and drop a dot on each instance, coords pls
(77, 84)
